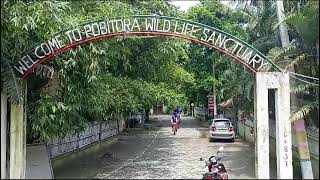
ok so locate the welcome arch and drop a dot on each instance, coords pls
(223, 42)
(144, 25)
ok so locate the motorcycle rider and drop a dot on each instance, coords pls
(178, 111)
(174, 118)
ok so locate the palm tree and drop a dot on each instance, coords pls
(9, 82)
(299, 54)
(299, 124)
(304, 32)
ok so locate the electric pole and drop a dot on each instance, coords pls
(214, 93)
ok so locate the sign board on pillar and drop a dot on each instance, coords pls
(210, 102)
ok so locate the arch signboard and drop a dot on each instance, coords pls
(143, 25)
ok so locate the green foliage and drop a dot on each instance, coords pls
(9, 82)
(132, 74)
(122, 74)
(237, 84)
(306, 23)
(303, 25)
(52, 117)
(231, 80)
(300, 56)
(303, 111)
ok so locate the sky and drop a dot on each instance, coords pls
(185, 5)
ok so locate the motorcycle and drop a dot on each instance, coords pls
(215, 166)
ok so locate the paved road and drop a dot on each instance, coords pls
(158, 154)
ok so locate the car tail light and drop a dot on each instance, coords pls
(230, 128)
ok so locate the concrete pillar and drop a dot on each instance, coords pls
(261, 127)
(3, 135)
(17, 142)
(279, 82)
(283, 127)
(305, 162)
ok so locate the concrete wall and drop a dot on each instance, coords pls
(200, 113)
(94, 133)
(313, 143)
(244, 131)
(39, 156)
(90, 149)
(74, 141)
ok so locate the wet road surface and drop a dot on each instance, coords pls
(158, 154)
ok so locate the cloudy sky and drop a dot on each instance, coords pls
(185, 5)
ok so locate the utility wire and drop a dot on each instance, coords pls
(301, 75)
(304, 80)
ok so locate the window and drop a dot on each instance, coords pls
(222, 123)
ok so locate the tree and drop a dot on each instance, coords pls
(92, 80)
(296, 116)
(213, 13)
(299, 57)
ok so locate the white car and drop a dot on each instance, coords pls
(221, 128)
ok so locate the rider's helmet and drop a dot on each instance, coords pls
(178, 109)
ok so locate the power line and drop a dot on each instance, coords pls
(301, 75)
(304, 80)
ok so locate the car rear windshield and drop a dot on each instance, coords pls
(221, 123)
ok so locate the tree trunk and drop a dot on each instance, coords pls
(284, 36)
(317, 45)
(302, 140)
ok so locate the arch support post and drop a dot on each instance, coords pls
(18, 143)
(280, 82)
(4, 135)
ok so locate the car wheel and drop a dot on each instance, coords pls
(232, 140)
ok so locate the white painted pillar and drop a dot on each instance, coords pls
(261, 128)
(280, 82)
(17, 142)
(3, 135)
(283, 127)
